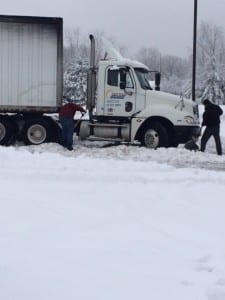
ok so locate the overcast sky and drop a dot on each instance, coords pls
(164, 24)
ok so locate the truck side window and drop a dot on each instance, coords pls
(113, 77)
(129, 81)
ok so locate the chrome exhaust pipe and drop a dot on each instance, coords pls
(91, 80)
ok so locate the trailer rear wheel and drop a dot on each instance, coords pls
(36, 132)
(8, 131)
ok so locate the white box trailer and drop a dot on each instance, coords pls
(31, 77)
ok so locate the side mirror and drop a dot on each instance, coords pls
(123, 75)
(157, 81)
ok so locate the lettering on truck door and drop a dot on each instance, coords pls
(119, 102)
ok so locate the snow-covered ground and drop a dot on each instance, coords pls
(112, 223)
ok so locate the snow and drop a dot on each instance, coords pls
(119, 222)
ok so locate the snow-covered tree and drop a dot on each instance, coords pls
(75, 81)
(211, 63)
(76, 52)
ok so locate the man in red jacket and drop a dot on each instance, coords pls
(66, 119)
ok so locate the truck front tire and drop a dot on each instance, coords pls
(155, 136)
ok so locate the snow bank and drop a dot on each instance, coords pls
(120, 222)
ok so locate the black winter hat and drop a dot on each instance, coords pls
(206, 102)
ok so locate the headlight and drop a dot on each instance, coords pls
(189, 120)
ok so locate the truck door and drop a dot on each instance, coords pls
(120, 92)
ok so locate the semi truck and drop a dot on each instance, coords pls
(124, 107)
(121, 103)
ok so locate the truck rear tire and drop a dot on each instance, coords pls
(36, 132)
(155, 136)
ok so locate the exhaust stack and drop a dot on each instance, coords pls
(91, 79)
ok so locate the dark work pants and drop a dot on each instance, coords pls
(215, 132)
(67, 131)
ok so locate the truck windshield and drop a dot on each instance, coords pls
(144, 77)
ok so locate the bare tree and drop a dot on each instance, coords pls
(174, 70)
(175, 74)
(75, 47)
(151, 57)
(174, 66)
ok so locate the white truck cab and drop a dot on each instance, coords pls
(124, 107)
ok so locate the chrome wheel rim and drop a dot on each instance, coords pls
(36, 134)
(151, 139)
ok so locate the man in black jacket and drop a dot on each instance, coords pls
(211, 119)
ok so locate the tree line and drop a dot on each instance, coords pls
(176, 72)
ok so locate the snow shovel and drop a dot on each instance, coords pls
(77, 124)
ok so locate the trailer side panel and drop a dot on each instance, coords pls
(30, 64)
